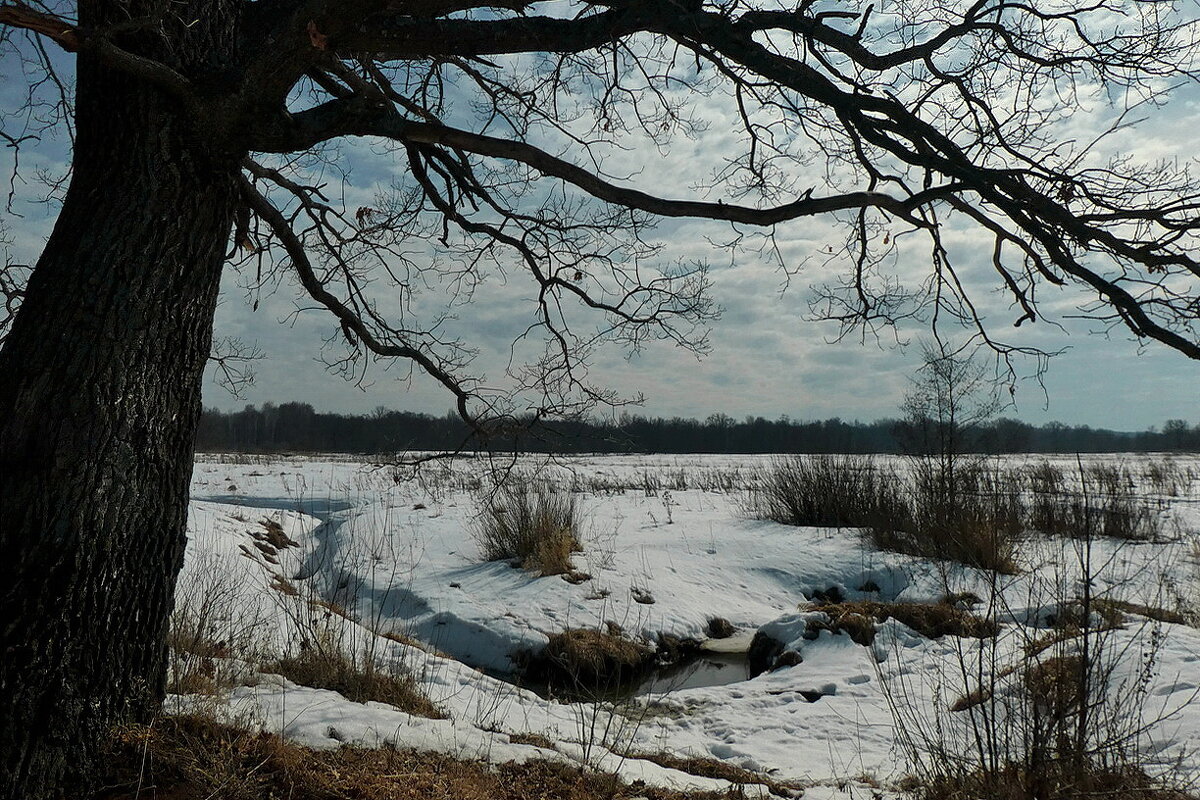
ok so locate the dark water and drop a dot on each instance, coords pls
(694, 672)
(708, 669)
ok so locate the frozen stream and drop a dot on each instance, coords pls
(403, 558)
(716, 667)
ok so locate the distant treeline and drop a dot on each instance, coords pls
(297, 427)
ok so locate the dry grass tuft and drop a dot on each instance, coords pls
(719, 628)
(274, 535)
(975, 697)
(195, 758)
(933, 620)
(203, 679)
(705, 767)
(284, 586)
(1057, 684)
(538, 527)
(199, 662)
(551, 554)
(534, 739)
(405, 639)
(1109, 608)
(828, 491)
(354, 680)
(978, 523)
(1051, 638)
(591, 658)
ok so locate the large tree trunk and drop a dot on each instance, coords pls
(99, 399)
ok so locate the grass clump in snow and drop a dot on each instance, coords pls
(933, 620)
(719, 628)
(975, 519)
(535, 526)
(196, 758)
(1108, 607)
(1106, 503)
(1055, 686)
(1067, 719)
(827, 491)
(197, 660)
(360, 680)
(212, 636)
(1051, 782)
(581, 660)
(708, 767)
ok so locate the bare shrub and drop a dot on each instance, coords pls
(1062, 714)
(537, 527)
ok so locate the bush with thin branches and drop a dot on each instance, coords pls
(1036, 714)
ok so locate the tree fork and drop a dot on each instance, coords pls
(98, 410)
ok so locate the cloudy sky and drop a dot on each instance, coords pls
(766, 358)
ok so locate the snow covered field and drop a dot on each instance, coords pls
(668, 545)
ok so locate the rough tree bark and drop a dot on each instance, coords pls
(98, 409)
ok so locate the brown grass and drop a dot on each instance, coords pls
(405, 639)
(274, 535)
(360, 682)
(705, 767)
(719, 628)
(195, 758)
(1108, 607)
(332, 608)
(1057, 781)
(537, 527)
(973, 531)
(593, 658)
(551, 554)
(535, 739)
(934, 620)
(971, 699)
(1057, 684)
(199, 663)
(284, 586)
(204, 679)
(978, 526)
(1051, 638)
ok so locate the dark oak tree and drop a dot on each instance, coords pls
(202, 134)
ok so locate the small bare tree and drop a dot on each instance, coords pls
(952, 396)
